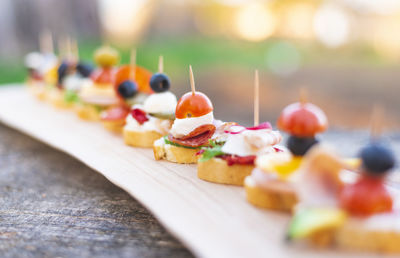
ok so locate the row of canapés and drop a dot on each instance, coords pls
(304, 178)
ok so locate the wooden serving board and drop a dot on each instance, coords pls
(211, 220)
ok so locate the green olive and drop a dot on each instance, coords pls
(106, 56)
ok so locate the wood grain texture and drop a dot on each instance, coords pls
(212, 220)
(52, 205)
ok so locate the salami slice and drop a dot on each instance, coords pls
(115, 113)
(195, 138)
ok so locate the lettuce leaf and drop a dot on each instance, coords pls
(214, 150)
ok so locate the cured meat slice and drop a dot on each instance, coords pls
(234, 159)
(115, 113)
(196, 138)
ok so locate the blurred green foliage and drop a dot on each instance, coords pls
(12, 72)
(206, 53)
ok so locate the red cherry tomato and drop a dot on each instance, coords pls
(142, 78)
(193, 105)
(302, 120)
(366, 197)
(103, 75)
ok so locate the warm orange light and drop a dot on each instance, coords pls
(385, 36)
(124, 20)
(332, 25)
(255, 22)
(298, 21)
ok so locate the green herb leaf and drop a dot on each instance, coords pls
(71, 97)
(211, 152)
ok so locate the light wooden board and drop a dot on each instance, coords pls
(211, 220)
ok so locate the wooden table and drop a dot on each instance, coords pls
(212, 220)
(52, 205)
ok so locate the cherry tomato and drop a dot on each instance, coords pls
(103, 76)
(193, 105)
(366, 197)
(142, 78)
(302, 120)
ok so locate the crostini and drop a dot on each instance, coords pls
(231, 160)
(357, 214)
(269, 186)
(192, 128)
(153, 119)
(130, 91)
(98, 93)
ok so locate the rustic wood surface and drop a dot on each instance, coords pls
(211, 220)
(52, 205)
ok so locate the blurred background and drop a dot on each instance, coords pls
(344, 52)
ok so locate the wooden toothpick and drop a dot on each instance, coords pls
(74, 49)
(68, 46)
(192, 85)
(160, 64)
(46, 42)
(256, 99)
(133, 64)
(61, 47)
(377, 119)
(303, 95)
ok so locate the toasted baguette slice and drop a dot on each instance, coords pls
(217, 171)
(143, 139)
(280, 196)
(56, 98)
(355, 236)
(115, 126)
(38, 91)
(174, 153)
(87, 112)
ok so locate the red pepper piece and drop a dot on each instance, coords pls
(139, 115)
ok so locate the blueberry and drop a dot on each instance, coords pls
(127, 89)
(159, 82)
(62, 71)
(377, 158)
(300, 145)
(84, 69)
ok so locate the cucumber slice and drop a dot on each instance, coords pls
(163, 116)
(309, 221)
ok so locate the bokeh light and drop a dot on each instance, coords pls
(255, 22)
(331, 25)
(123, 21)
(298, 21)
(283, 58)
(385, 39)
